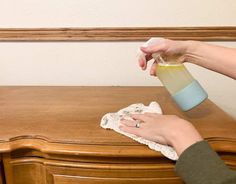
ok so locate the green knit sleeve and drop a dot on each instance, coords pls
(200, 164)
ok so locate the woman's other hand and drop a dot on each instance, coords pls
(164, 129)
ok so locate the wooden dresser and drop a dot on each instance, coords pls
(52, 135)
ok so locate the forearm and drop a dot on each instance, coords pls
(216, 58)
(199, 164)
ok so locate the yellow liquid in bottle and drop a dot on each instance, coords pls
(174, 76)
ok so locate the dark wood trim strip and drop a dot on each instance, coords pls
(118, 34)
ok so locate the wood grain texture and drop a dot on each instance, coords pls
(67, 119)
(118, 33)
(52, 135)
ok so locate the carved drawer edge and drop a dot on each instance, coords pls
(45, 146)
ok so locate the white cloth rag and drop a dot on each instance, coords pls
(112, 120)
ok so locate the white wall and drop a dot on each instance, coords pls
(105, 63)
(89, 13)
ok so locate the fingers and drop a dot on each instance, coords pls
(143, 59)
(153, 69)
(141, 117)
(129, 126)
(161, 47)
(142, 62)
(142, 126)
(148, 57)
(131, 130)
(152, 115)
(128, 123)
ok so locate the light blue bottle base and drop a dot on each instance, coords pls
(190, 96)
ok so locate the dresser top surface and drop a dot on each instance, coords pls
(72, 115)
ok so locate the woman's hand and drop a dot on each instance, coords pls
(217, 58)
(167, 47)
(164, 129)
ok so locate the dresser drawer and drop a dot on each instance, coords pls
(62, 179)
(46, 171)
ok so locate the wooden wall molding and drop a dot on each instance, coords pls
(118, 33)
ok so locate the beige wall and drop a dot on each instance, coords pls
(105, 63)
(51, 13)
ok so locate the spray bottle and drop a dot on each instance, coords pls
(184, 89)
